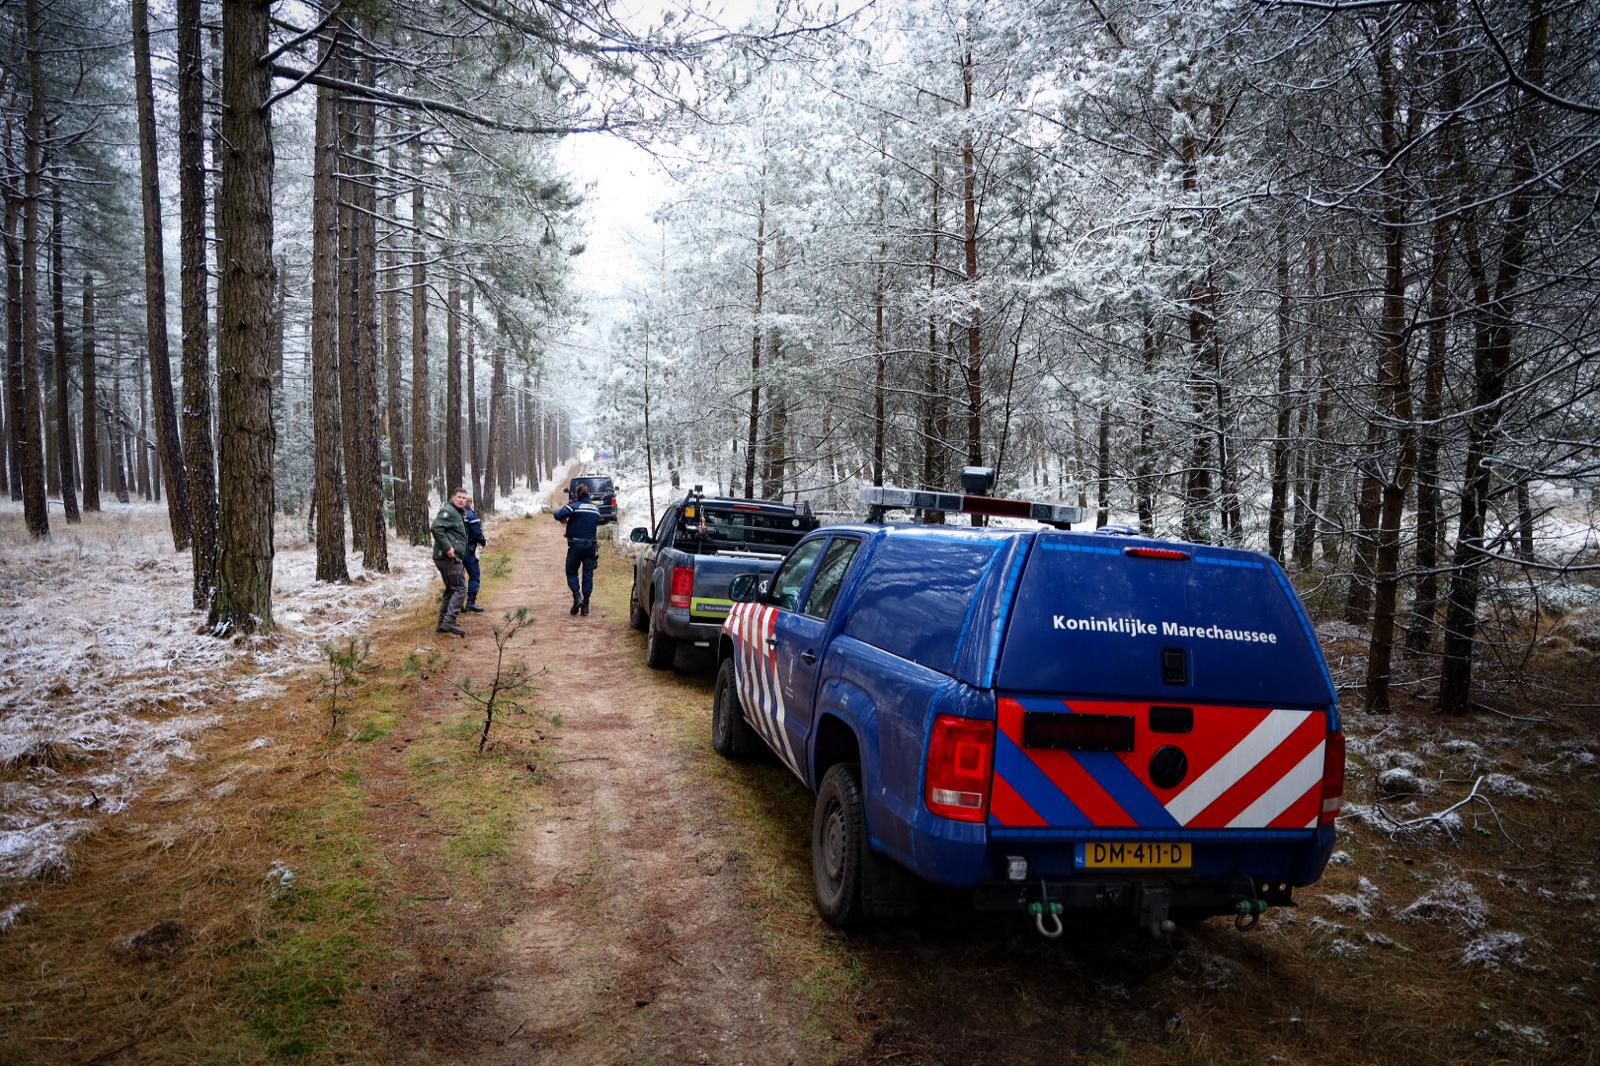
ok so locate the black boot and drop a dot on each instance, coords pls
(576, 605)
(583, 608)
(473, 607)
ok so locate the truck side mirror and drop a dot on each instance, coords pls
(639, 535)
(746, 588)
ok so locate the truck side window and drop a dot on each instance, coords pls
(830, 576)
(661, 526)
(791, 579)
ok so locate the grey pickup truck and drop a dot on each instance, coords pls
(700, 544)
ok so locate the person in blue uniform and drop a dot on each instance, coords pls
(582, 519)
(475, 541)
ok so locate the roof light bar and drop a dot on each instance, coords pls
(1055, 514)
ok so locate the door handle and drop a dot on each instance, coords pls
(772, 642)
(809, 656)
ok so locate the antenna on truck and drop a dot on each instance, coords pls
(880, 498)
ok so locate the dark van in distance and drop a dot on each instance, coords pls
(601, 490)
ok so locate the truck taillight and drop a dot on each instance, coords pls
(682, 586)
(960, 768)
(1332, 779)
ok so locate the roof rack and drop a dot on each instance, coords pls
(885, 498)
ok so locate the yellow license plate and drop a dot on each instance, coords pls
(1144, 855)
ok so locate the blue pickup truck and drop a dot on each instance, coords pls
(1056, 721)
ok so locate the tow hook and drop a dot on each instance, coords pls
(1046, 914)
(1247, 913)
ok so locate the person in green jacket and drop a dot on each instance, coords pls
(449, 530)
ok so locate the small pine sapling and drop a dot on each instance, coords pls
(346, 665)
(511, 682)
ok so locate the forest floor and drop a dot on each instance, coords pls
(599, 887)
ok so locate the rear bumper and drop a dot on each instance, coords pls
(963, 855)
(677, 623)
(1145, 900)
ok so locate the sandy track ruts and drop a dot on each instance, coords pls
(633, 943)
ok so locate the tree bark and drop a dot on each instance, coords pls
(199, 459)
(454, 468)
(328, 439)
(492, 457)
(969, 176)
(30, 445)
(1394, 384)
(399, 469)
(13, 332)
(155, 289)
(751, 437)
(349, 316)
(91, 400)
(119, 434)
(369, 477)
(421, 437)
(243, 600)
(474, 443)
(1280, 441)
(14, 427)
(67, 476)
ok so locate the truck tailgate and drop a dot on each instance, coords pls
(709, 600)
(1228, 769)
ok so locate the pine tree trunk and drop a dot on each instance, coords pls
(14, 424)
(421, 436)
(1394, 384)
(147, 484)
(752, 437)
(68, 475)
(1280, 441)
(474, 437)
(492, 458)
(199, 459)
(1145, 493)
(350, 319)
(454, 468)
(30, 445)
(530, 433)
(327, 433)
(375, 535)
(1102, 513)
(974, 366)
(933, 385)
(243, 600)
(124, 467)
(168, 439)
(91, 400)
(399, 469)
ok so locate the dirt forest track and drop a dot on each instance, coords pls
(664, 910)
(629, 946)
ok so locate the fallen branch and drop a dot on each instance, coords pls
(1436, 820)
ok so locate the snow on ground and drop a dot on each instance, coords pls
(106, 677)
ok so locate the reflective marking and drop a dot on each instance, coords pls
(1277, 799)
(1274, 729)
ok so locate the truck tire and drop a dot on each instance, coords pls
(638, 618)
(731, 735)
(660, 650)
(839, 846)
